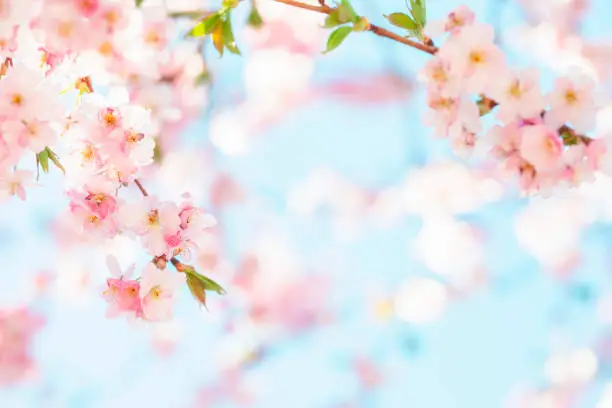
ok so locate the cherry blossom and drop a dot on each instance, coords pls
(13, 184)
(157, 291)
(518, 95)
(122, 293)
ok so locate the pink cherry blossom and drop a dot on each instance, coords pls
(13, 184)
(462, 16)
(152, 220)
(474, 55)
(25, 96)
(34, 135)
(518, 95)
(122, 293)
(63, 28)
(100, 198)
(541, 146)
(437, 74)
(572, 102)
(157, 291)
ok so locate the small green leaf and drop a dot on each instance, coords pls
(139, 3)
(158, 154)
(332, 20)
(197, 289)
(255, 19)
(206, 26)
(211, 285)
(346, 12)
(228, 36)
(337, 37)
(53, 157)
(402, 20)
(208, 283)
(419, 12)
(217, 39)
(43, 160)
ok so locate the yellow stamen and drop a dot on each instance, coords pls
(570, 97)
(153, 217)
(515, 90)
(477, 57)
(64, 29)
(17, 99)
(106, 48)
(156, 292)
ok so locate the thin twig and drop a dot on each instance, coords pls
(141, 188)
(373, 28)
(391, 35)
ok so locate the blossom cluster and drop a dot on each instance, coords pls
(537, 137)
(51, 50)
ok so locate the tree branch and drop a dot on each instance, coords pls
(322, 8)
(568, 134)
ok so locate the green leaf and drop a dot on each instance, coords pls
(158, 154)
(208, 284)
(346, 12)
(337, 37)
(139, 3)
(43, 160)
(255, 19)
(332, 20)
(419, 12)
(217, 39)
(53, 157)
(206, 26)
(197, 289)
(228, 36)
(402, 20)
(211, 285)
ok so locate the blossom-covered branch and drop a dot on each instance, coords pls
(106, 140)
(540, 139)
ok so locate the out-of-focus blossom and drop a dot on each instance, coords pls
(17, 327)
(421, 300)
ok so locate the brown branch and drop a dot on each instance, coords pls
(322, 8)
(141, 188)
(430, 49)
(382, 32)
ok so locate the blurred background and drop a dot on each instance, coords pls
(366, 265)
